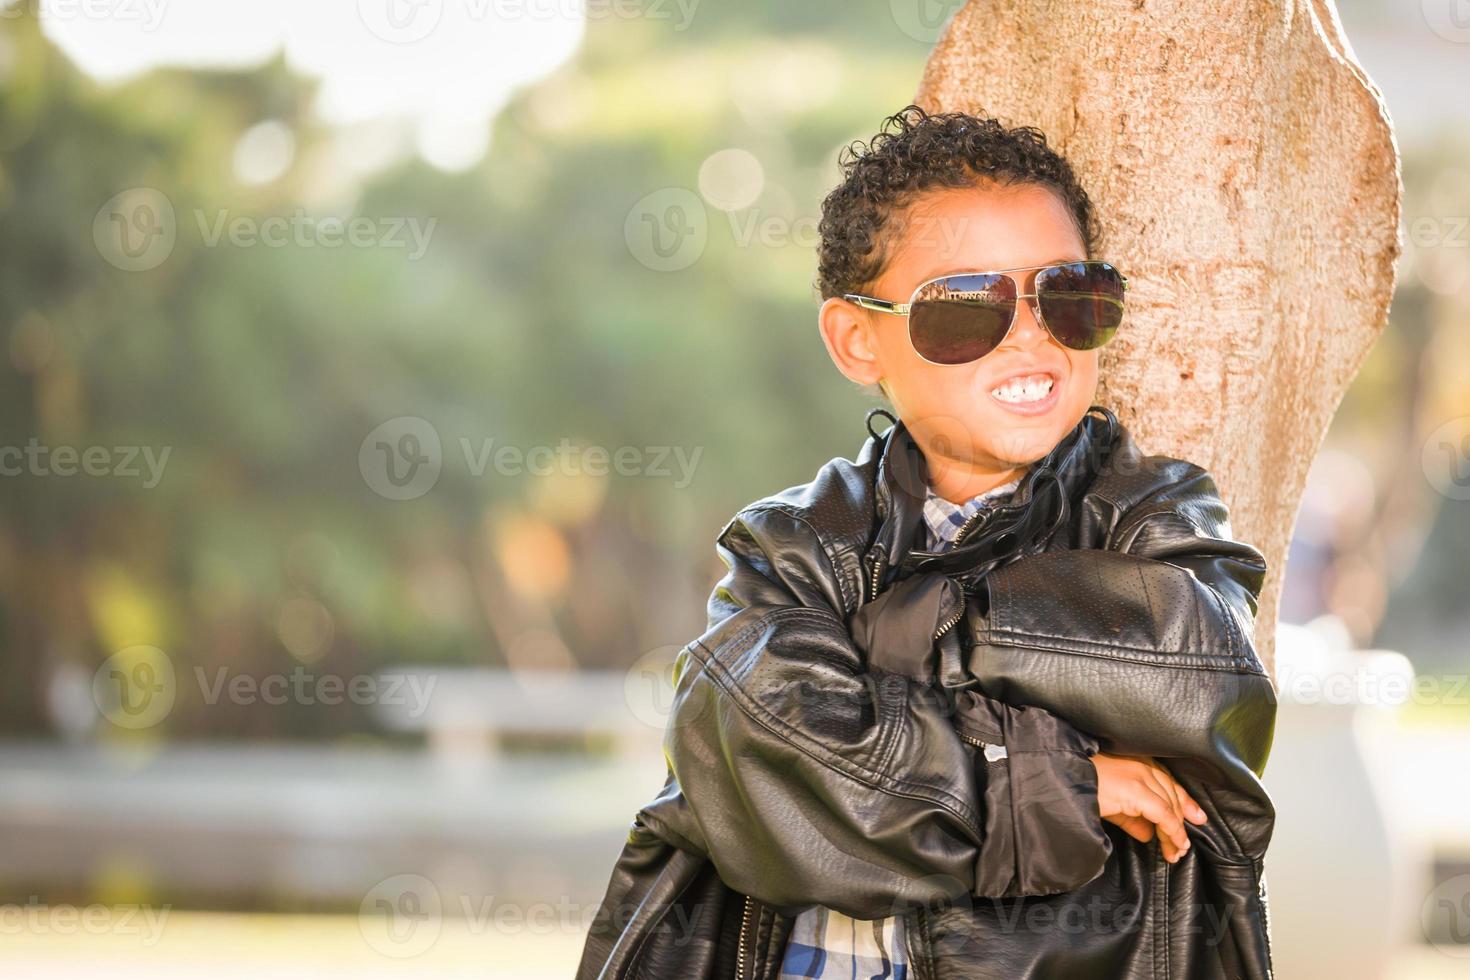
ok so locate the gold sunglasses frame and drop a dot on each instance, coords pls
(902, 309)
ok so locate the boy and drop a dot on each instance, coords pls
(856, 786)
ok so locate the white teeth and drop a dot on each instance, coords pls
(1021, 390)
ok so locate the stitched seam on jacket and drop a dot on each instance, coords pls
(758, 943)
(1070, 643)
(1158, 909)
(1228, 619)
(1122, 505)
(1148, 597)
(1233, 630)
(817, 532)
(893, 707)
(1178, 659)
(722, 676)
(927, 930)
(1168, 928)
(997, 632)
(1132, 515)
(888, 730)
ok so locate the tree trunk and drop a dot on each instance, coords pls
(1246, 179)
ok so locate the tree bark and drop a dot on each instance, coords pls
(1246, 179)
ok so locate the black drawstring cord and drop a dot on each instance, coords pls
(868, 419)
(1033, 538)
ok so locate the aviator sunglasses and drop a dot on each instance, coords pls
(961, 317)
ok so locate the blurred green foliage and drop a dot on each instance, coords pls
(528, 319)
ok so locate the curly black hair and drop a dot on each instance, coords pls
(913, 152)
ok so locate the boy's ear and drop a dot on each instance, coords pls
(847, 330)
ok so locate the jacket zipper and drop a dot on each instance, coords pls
(740, 943)
(875, 577)
(945, 627)
(875, 572)
(970, 522)
(993, 751)
(983, 514)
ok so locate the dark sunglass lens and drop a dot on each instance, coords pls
(960, 319)
(1081, 302)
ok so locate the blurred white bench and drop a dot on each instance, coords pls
(470, 710)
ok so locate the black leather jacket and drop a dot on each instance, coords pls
(886, 731)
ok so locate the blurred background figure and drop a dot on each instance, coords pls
(375, 378)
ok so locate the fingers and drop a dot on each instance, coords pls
(1169, 791)
(1151, 802)
(1188, 808)
(1144, 799)
(1192, 810)
(1143, 830)
(1136, 827)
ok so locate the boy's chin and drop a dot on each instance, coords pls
(995, 436)
(1022, 447)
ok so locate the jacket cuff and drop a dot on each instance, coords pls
(1043, 828)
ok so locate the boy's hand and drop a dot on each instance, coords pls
(1139, 795)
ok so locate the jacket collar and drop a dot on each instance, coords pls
(1040, 506)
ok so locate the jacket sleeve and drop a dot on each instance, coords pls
(809, 779)
(1148, 644)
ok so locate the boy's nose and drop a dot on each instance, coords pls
(1026, 332)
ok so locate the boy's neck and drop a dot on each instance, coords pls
(959, 483)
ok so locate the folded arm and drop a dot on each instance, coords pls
(810, 778)
(1148, 645)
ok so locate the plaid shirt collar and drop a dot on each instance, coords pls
(943, 519)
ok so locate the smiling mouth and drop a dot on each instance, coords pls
(1024, 390)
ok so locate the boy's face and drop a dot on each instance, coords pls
(966, 432)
